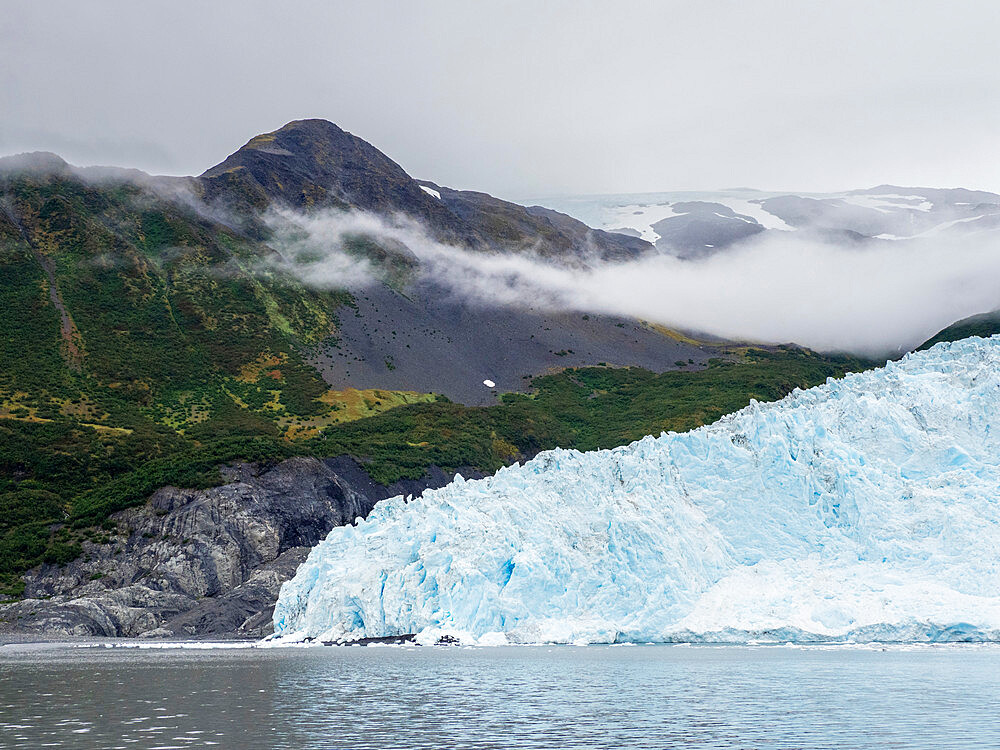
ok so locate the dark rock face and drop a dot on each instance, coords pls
(310, 164)
(202, 562)
(703, 229)
(314, 164)
(550, 234)
(438, 343)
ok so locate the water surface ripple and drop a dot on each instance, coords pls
(527, 697)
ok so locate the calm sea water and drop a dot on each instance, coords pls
(528, 697)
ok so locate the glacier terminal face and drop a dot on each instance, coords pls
(864, 509)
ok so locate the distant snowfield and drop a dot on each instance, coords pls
(889, 202)
(640, 218)
(866, 509)
(640, 212)
(755, 211)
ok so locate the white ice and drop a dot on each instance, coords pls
(864, 509)
(756, 211)
(431, 192)
(640, 218)
(888, 202)
(933, 231)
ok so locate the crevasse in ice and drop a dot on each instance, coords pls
(867, 508)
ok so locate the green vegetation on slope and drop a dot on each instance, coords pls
(136, 331)
(985, 325)
(584, 408)
(114, 301)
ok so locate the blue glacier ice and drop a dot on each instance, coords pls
(864, 509)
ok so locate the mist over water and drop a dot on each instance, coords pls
(878, 299)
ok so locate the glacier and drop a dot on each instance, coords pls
(865, 509)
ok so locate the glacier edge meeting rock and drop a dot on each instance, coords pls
(864, 509)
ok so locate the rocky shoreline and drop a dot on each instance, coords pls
(201, 563)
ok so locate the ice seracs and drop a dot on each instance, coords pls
(867, 508)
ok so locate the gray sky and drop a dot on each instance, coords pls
(524, 98)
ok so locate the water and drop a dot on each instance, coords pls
(528, 697)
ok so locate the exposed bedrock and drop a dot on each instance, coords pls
(193, 563)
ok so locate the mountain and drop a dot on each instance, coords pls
(699, 224)
(313, 164)
(167, 332)
(153, 329)
(425, 338)
(863, 510)
(151, 291)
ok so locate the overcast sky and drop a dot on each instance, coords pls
(524, 98)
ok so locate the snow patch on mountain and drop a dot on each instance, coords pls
(755, 211)
(934, 231)
(888, 202)
(864, 509)
(879, 213)
(640, 218)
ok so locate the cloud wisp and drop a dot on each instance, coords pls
(780, 287)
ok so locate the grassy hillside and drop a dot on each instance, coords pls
(125, 311)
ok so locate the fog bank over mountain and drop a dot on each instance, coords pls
(812, 289)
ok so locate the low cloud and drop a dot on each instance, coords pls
(314, 247)
(780, 287)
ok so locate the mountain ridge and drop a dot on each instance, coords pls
(313, 164)
(148, 337)
(697, 224)
(188, 344)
